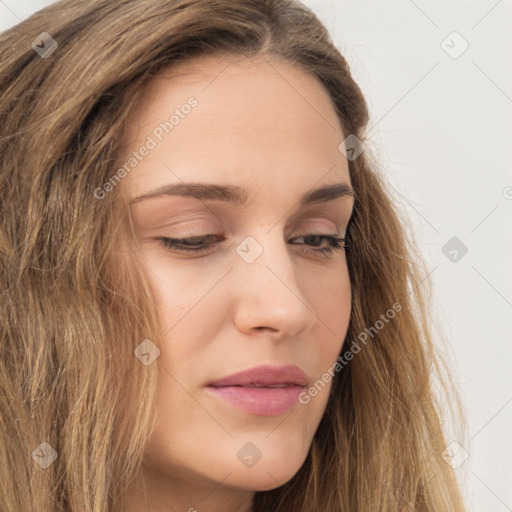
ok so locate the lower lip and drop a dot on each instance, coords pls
(260, 401)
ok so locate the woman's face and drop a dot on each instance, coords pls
(258, 294)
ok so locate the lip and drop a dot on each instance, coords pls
(251, 390)
(265, 375)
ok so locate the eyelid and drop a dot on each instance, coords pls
(314, 231)
(183, 246)
(326, 222)
(325, 225)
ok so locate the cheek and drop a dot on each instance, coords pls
(330, 295)
(189, 309)
(178, 285)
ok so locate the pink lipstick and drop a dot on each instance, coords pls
(262, 390)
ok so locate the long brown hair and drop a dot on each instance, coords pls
(73, 309)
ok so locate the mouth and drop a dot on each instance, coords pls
(264, 376)
(259, 400)
(261, 391)
(257, 385)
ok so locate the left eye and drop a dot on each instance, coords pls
(199, 243)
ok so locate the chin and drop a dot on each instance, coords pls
(278, 464)
(264, 478)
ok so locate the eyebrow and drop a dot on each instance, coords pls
(238, 195)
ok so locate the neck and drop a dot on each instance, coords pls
(156, 492)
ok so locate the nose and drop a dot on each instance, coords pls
(266, 292)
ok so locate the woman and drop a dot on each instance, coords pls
(209, 301)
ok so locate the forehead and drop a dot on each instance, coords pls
(233, 81)
(253, 120)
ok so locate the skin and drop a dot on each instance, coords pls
(270, 127)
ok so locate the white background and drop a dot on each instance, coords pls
(442, 128)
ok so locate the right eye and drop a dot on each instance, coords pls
(190, 243)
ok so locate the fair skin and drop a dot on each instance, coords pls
(269, 127)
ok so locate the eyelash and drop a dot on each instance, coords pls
(176, 243)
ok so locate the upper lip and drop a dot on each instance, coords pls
(265, 375)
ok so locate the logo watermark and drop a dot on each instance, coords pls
(151, 142)
(348, 355)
